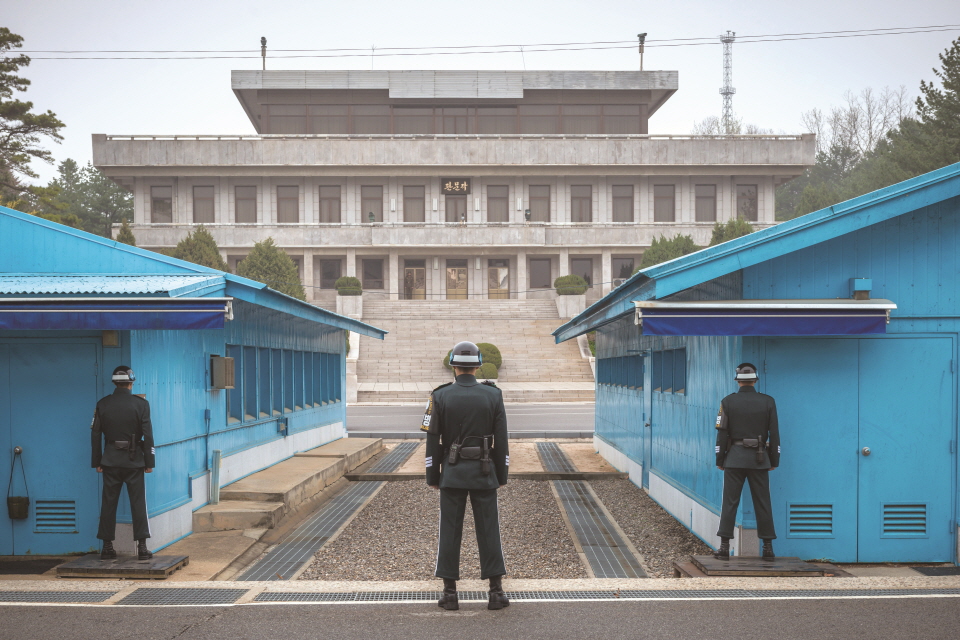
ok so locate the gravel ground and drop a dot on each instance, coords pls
(658, 537)
(395, 537)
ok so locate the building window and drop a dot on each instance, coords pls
(621, 268)
(669, 373)
(373, 274)
(245, 201)
(249, 383)
(415, 120)
(235, 395)
(623, 203)
(498, 203)
(623, 371)
(276, 368)
(288, 204)
(664, 203)
(454, 120)
(289, 380)
(540, 203)
(287, 118)
(581, 119)
(706, 205)
(265, 371)
(371, 202)
(747, 208)
(540, 273)
(581, 203)
(456, 208)
(330, 204)
(329, 119)
(621, 119)
(371, 119)
(582, 267)
(496, 120)
(329, 273)
(161, 204)
(414, 206)
(539, 119)
(203, 205)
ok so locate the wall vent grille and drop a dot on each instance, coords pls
(902, 520)
(810, 520)
(55, 515)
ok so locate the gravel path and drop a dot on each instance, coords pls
(395, 537)
(658, 537)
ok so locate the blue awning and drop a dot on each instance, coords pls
(113, 313)
(764, 317)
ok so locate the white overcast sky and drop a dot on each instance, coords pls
(775, 81)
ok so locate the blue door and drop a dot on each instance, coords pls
(47, 393)
(866, 428)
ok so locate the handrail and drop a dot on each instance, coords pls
(477, 136)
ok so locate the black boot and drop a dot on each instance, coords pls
(723, 551)
(142, 552)
(498, 599)
(108, 552)
(767, 552)
(449, 600)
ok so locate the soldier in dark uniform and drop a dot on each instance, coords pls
(467, 454)
(748, 446)
(122, 420)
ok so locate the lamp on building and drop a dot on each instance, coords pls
(526, 215)
(476, 263)
(436, 262)
(372, 217)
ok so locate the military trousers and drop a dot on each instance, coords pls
(486, 518)
(733, 480)
(113, 480)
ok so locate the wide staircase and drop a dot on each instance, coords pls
(535, 368)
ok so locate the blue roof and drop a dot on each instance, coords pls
(667, 278)
(38, 253)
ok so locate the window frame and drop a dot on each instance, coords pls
(368, 283)
(288, 202)
(576, 259)
(540, 199)
(709, 213)
(621, 200)
(237, 199)
(660, 199)
(329, 212)
(208, 201)
(499, 201)
(371, 202)
(322, 280)
(414, 205)
(744, 200)
(164, 211)
(530, 274)
(581, 206)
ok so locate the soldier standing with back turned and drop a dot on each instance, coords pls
(467, 455)
(748, 447)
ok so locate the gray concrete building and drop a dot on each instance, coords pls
(450, 184)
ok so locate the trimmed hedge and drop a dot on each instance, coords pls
(348, 286)
(488, 371)
(571, 285)
(489, 352)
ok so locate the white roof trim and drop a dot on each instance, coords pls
(836, 304)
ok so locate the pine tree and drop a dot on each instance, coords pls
(125, 235)
(267, 263)
(200, 248)
(732, 229)
(663, 250)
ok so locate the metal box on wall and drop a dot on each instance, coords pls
(221, 372)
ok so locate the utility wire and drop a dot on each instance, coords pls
(498, 49)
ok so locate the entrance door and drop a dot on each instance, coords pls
(47, 395)
(498, 279)
(894, 396)
(456, 207)
(415, 283)
(456, 279)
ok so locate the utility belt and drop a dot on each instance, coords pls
(754, 443)
(130, 446)
(457, 451)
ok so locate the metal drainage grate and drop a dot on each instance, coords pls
(161, 596)
(554, 459)
(55, 596)
(367, 596)
(938, 571)
(300, 546)
(393, 460)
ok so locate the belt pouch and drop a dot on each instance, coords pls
(751, 443)
(470, 453)
(122, 445)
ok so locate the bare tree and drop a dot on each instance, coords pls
(713, 126)
(861, 122)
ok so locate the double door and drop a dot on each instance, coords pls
(415, 283)
(868, 464)
(498, 279)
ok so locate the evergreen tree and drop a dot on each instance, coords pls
(732, 229)
(199, 247)
(663, 250)
(267, 263)
(125, 235)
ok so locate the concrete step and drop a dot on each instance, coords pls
(289, 482)
(353, 451)
(237, 514)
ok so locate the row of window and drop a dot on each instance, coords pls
(574, 119)
(271, 382)
(625, 371)
(415, 205)
(669, 371)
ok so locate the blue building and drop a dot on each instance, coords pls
(73, 306)
(852, 314)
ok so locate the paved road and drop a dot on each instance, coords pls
(927, 618)
(520, 417)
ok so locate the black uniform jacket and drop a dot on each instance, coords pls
(460, 411)
(122, 416)
(747, 414)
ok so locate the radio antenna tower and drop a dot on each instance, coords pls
(727, 90)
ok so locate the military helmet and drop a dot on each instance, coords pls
(746, 372)
(123, 374)
(466, 355)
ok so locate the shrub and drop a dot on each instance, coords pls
(489, 352)
(488, 371)
(348, 286)
(269, 264)
(571, 285)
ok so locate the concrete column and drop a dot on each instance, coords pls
(221, 204)
(309, 201)
(603, 213)
(393, 271)
(606, 271)
(352, 263)
(308, 275)
(564, 264)
(561, 212)
(437, 278)
(140, 196)
(522, 283)
(516, 215)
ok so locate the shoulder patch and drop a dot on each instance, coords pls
(490, 383)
